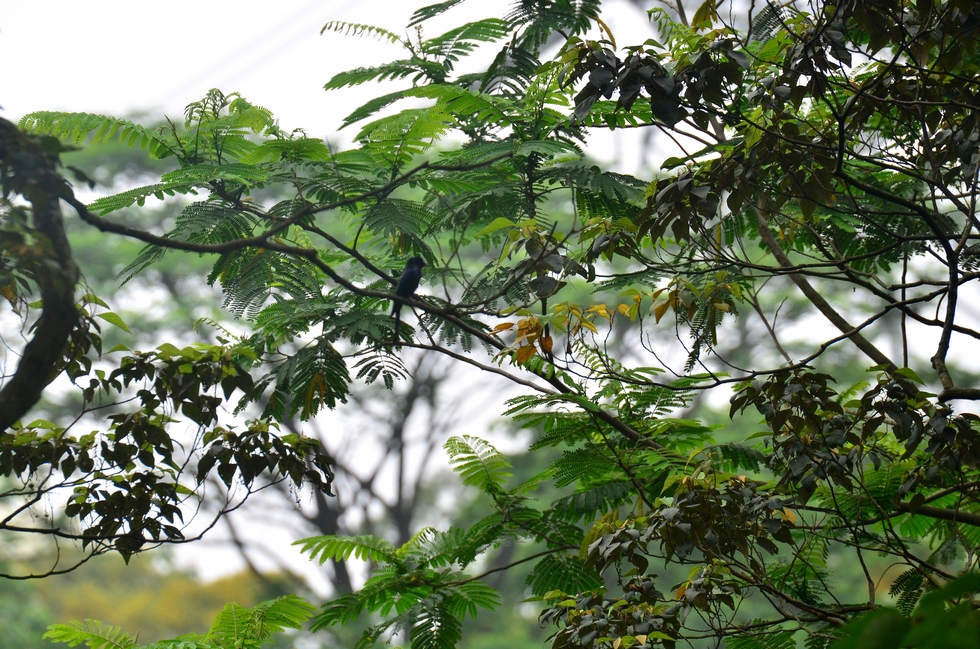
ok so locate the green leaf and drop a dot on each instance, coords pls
(881, 629)
(93, 634)
(364, 547)
(562, 572)
(76, 127)
(434, 627)
(478, 462)
(114, 319)
(431, 11)
(498, 223)
(355, 29)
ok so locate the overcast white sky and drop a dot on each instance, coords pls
(120, 56)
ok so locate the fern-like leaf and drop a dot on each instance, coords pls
(395, 217)
(398, 140)
(907, 588)
(138, 195)
(342, 548)
(435, 627)
(277, 615)
(594, 501)
(468, 598)
(249, 277)
(766, 640)
(431, 11)
(386, 366)
(461, 102)
(386, 72)
(77, 127)
(92, 633)
(182, 181)
(511, 72)
(478, 463)
(314, 378)
(233, 627)
(585, 466)
(304, 149)
(562, 572)
(733, 457)
(462, 40)
(355, 29)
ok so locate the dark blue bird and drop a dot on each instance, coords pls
(407, 283)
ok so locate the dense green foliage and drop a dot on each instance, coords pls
(835, 147)
(127, 487)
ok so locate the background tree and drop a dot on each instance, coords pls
(832, 145)
(386, 450)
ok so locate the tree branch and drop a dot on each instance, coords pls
(818, 300)
(31, 171)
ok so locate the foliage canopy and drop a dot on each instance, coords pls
(831, 148)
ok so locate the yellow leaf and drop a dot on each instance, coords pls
(603, 27)
(660, 309)
(529, 324)
(790, 516)
(316, 390)
(546, 344)
(681, 591)
(591, 327)
(622, 308)
(721, 306)
(600, 309)
(503, 326)
(705, 13)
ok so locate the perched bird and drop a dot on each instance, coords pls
(407, 283)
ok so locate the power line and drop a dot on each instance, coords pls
(272, 44)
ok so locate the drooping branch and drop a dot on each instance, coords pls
(818, 300)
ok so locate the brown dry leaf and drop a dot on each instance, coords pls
(526, 352)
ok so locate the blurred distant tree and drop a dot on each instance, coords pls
(23, 616)
(832, 145)
(384, 463)
(234, 627)
(107, 588)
